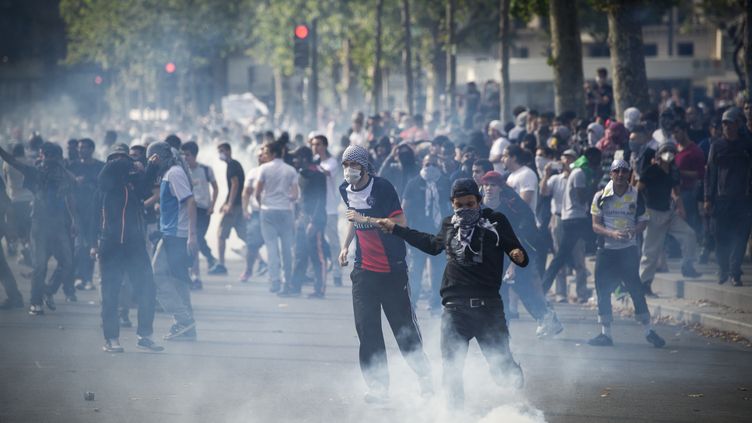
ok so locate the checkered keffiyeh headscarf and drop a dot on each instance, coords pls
(358, 154)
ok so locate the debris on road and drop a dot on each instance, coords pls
(89, 396)
(695, 395)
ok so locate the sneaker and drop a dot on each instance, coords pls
(71, 298)
(337, 281)
(210, 262)
(181, 332)
(549, 326)
(197, 285)
(654, 339)
(723, 278)
(317, 295)
(79, 284)
(11, 303)
(49, 301)
(737, 281)
(245, 277)
(89, 286)
(262, 268)
(112, 346)
(147, 344)
(36, 310)
(218, 269)
(287, 292)
(561, 299)
(275, 287)
(601, 341)
(125, 322)
(689, 271)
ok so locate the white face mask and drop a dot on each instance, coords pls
(223, 157)
(540, 163)
(352, 176)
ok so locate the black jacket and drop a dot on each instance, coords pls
(729, 170)
(312, 196)
(120, 203)
(465, 276)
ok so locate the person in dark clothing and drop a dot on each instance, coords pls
(475, 240)
(85, 172)
(310, 245)
(53, 221)
(400, 167)
(728, 195)
(499, 196)
(379, 276)
(14, 299)
(232, 212)
(121, 245)
(426, 202)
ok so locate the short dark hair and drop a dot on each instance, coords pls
(86, 141)
(275, 148)
(304, 153)
(440, 140)
(140, 148)
(174, 141)
(593, 155)
(602, 71)
(323, 140)
(484, 164)
(190, 147)
(517, 152)
(225, 146)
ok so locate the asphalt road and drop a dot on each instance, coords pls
(260, 358)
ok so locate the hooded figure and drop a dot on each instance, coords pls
(595, 132)
(631, 118)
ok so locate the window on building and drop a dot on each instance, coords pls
(522, 53)
(599, 50)
(685, 49)
(650, 50)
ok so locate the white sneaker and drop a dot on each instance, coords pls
(112, 346)
(549, 326)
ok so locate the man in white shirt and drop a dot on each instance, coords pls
(522, 179)
(252, 214)
(359, 135)
(496, 132)
(574, 220)
(332, 169)
(555, 185)
(276, 192)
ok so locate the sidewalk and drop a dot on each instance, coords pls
(699, 301)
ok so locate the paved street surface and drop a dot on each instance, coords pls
(260, 358)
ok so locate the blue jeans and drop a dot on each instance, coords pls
(171, 262)
(278, 233)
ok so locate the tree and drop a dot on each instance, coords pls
(504, 41)
(566, 57)
(407, 57)
(376, 90)
(627, 57)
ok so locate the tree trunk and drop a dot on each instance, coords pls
(566, 52)
(438, 74)
(376, 89)
(627, 59)
(348, 76)
(505, 100)
(279, 94)
(451, 56)
(748, 46)
(407, 57)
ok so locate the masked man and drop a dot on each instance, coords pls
(475, 241)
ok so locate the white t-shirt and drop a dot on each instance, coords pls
(253, 176)
(555, 186)
(497, 149)
(174, 189)
(201, 177)
(333, 180)
(278, 178)
(571, 207)
(524, 180)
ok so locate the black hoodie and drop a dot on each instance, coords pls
(119, 200)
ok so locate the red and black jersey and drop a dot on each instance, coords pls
(375, 250)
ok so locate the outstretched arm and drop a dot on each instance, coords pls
(429, 244)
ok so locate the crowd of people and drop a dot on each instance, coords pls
(632, 189)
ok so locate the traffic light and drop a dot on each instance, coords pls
(301, 46)
(170, 67)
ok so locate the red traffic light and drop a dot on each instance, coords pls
(98, 80)
(301, 31)
(169, 67)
